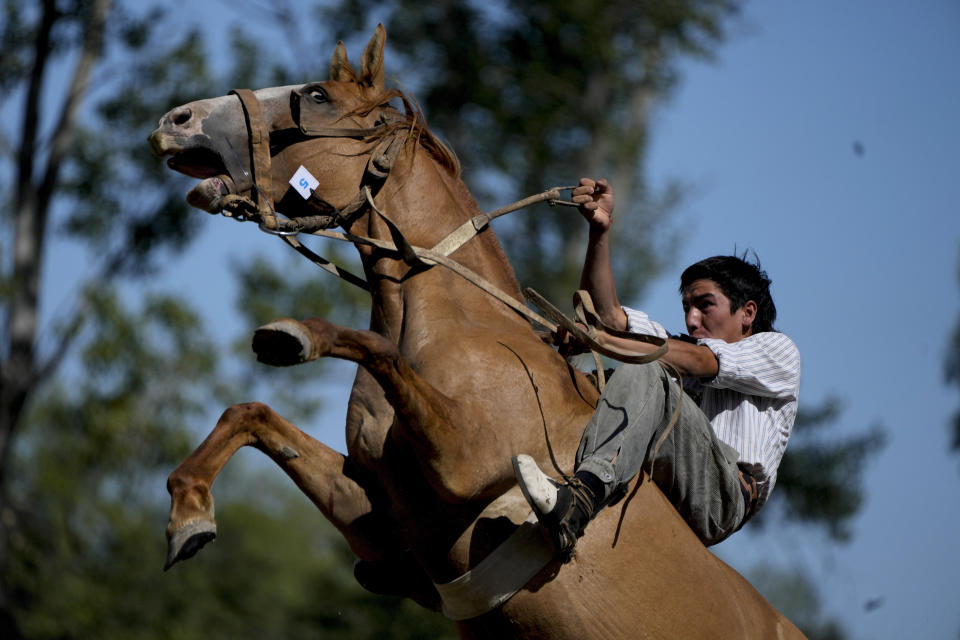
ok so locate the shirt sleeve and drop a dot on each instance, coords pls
(639, 322)
(765, 364)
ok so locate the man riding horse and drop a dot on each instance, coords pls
(453, 382)
(717, 462)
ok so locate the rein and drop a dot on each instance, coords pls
(382, 158)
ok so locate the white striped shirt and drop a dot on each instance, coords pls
(752, 401)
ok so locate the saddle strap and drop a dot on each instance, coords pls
(499, 576)
(750, 491)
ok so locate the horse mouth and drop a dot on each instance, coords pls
(197, 163)
(200, 162)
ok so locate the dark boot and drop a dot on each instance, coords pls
(563, 509)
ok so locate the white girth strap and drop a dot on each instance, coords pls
(498, 576)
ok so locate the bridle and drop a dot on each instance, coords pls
(262, 204)
(261, 209)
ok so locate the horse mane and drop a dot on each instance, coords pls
(411, 119)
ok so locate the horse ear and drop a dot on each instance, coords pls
(371, 73)
(340, 69)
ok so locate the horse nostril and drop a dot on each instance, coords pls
(181, 116)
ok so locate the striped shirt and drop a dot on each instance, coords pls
(752, 401)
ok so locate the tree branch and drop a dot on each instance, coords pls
(19, 372)
(65, 131)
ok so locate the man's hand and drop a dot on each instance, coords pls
(567, 344)
(595, 198)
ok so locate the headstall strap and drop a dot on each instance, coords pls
(259, 150)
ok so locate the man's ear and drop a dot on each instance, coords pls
(749, 310)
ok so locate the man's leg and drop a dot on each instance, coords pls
(612, 450)
(697, 472)
(634, 406)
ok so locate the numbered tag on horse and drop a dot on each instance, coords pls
(303, 182)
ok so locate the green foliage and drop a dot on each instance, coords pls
(295, 288)
(91, 462)
(291, 287)
(820, 478)
(559, 90)
(15, 38)
(952, 377)
(124, 204)
(87, 495)
(277, 570)
(84, 508)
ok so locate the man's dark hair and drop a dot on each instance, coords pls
(740, 281)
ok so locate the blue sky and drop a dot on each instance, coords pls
(863, 251)
(863, 248)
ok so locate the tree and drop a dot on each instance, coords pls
(820, 486)
(952, 377)
(819, 481)
(95, 402)
(86, 563)
(563, 89)
(86, 430)
(796, 596)
(33, 168)
(560, 90)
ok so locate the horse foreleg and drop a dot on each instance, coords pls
(320, 472)
(445, 439)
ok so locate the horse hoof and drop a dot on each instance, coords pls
(188, 540)
(283, 343)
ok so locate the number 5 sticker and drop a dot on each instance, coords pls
(303, 182)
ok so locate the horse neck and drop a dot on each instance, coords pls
(427, 203)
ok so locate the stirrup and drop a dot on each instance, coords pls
(564, 510)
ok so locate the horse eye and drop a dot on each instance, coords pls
(318, 95)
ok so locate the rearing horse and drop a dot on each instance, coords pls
(452, 383)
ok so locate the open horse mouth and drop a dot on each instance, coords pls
(198, 162)
(190, 155)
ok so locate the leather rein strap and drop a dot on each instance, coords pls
(383, 156)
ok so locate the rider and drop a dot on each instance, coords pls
(718, 462)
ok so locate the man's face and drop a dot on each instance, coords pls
(708, 315)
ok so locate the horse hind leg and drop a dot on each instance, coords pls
(319, 471)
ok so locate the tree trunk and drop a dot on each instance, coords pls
(21, 373)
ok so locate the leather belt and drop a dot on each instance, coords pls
(748, 487)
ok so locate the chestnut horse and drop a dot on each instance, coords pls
(452, 383)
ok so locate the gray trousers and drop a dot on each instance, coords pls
(696, 471)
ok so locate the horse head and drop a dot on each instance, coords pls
(247, 147)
